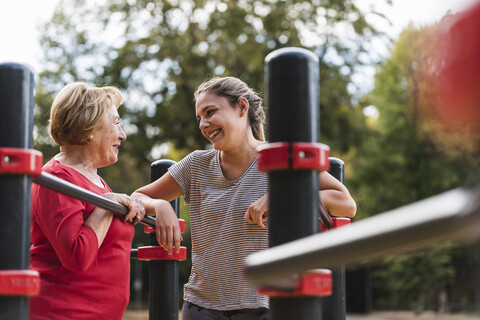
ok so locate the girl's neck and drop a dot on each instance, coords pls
(235, 162)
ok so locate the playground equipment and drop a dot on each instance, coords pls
(17, 282)
(163, 274)
(334, 306)
(454, 215)
(292, 159)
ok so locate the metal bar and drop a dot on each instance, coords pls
(293, 199)
(16, 131)
(52, 182)
(453, 215)
(334, 306)
(163, 275)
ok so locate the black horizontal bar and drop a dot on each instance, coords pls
(453, 215)
(52, 182)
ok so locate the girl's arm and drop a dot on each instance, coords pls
(156, 197)
(333, 194)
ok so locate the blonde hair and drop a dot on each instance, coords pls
(78, 109)
(233, 89)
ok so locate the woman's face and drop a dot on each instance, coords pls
(225, 126)
(107, 137)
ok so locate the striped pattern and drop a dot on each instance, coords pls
(221, 238)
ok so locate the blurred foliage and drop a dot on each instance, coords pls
(405, 161)
(403, 152)
(158, 52)
(444, 278)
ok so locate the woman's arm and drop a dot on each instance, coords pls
(100, 219)
(156, 197)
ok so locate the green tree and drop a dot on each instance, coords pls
(415, 281)
(159, 51)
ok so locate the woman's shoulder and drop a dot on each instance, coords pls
(199, 159)
(57, 169)
(205, 153)
(54, 166)
(201, 155)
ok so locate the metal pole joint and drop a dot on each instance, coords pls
(21, 161)
(294, 155)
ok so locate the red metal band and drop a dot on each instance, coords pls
(317, 282)
(337, 223)
(21, 161)
(273, 156)
(302, 156)
(307, 155)
(158, 253)
(19, 283)
(149, 229)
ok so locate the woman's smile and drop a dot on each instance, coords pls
(213, 134)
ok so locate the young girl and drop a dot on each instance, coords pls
(228, 203)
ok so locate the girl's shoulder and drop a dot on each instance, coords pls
(197, 158)
(203, 155)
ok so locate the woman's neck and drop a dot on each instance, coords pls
(235, 162)
(76, 158)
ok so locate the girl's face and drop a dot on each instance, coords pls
(225, 126)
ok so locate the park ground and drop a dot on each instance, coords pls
(384, 315)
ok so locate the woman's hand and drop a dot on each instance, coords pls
(167, 227)
(136, 209)
(257, 212)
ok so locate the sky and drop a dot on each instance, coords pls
(19, 20)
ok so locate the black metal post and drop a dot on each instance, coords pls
(16, 125)
(163, 274)
(292, 95)
(337, 169)
(334, 306)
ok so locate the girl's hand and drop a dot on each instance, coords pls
(167, 227)
(257, 212)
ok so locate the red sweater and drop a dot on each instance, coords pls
(78, 279)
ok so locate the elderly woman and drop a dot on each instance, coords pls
(82, 252)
